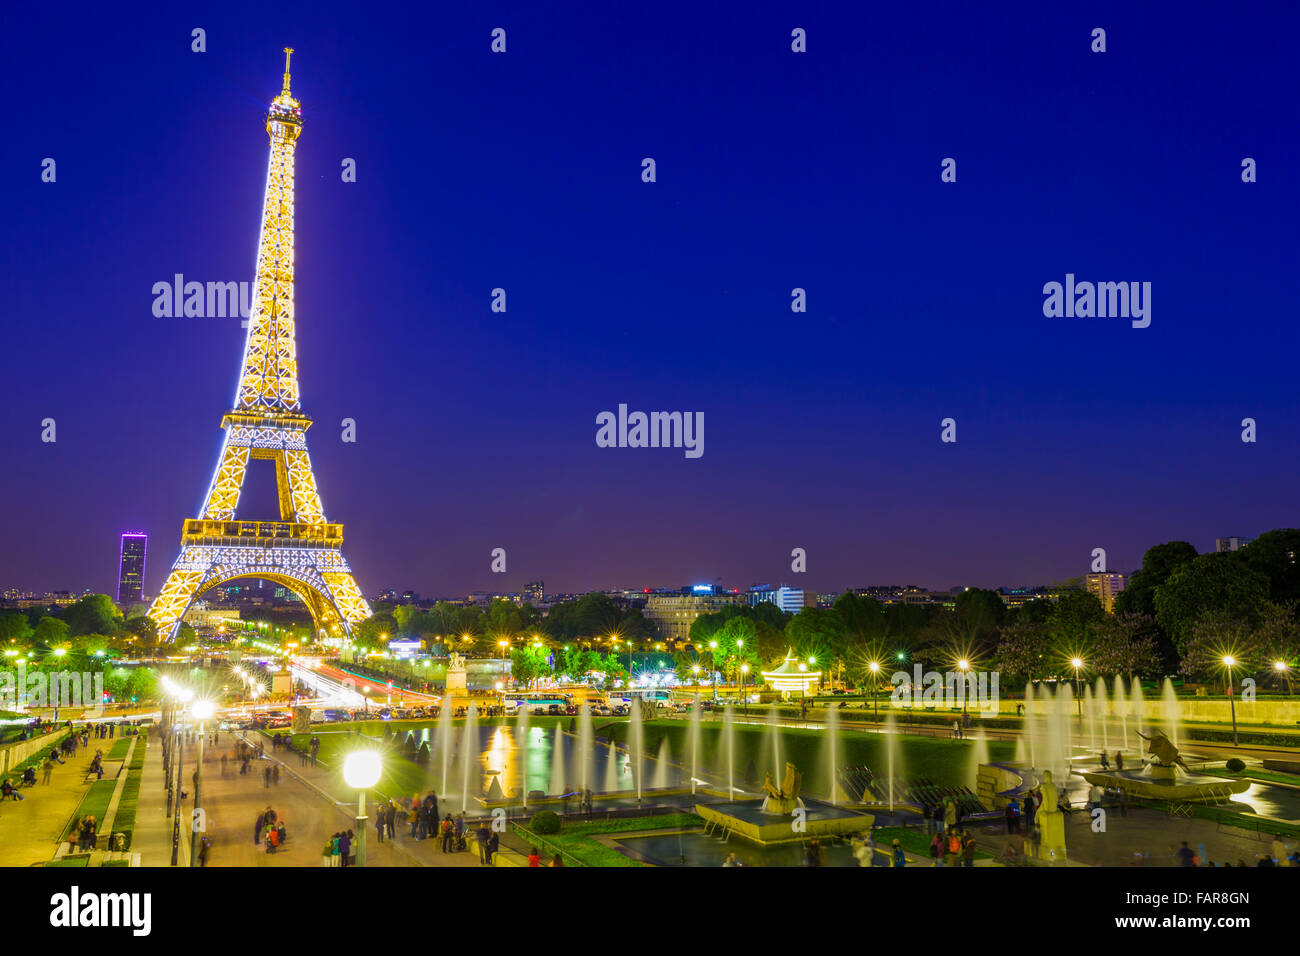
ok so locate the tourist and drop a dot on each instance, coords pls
(260, 826)
(1119, 760)
(1009, 855)
(493, 844)
(448, 832)
(937, 818)
(1105, 764)
(967, 849)
(379, 823)
(732, 860)
(327, 852)
(413, 818)
(1279, 852)
(345, 847)
(481, 838)
(952, 848)
(557, 861)
(1031, 808)
(460, 831)
(936, 850)
(48, 768)
(900, 858)
(1013, 816)
(950, 813)
(534, 859)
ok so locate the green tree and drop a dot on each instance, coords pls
(50, 632)
(1127, 645)
(1276, 555)
(528, 664)
(1159, 562)
(93, 614)
(1025, 650)
(1219, 584)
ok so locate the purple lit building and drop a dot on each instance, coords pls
(130, 575)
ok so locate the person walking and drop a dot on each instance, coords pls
(899, 857)
(448, 831)
(967, 849)
(259, 827)
(47, 768)
(379, 823)
(481, 838)
(493, 844)
(345, 847)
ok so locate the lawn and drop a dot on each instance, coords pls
(913, 841)
(94, 804)
(124, 822)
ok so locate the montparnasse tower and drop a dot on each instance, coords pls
(301, 551)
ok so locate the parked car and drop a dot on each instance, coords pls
(600, 709)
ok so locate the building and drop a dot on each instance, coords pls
(1105, 585)
(1231, 544)
(200, 614)
(790, 600)
(673, 614)
(534, 593)
(130, 568)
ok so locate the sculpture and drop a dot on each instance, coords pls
(1163, 749)
(456, 661)
(786, 798)
(1051, 822)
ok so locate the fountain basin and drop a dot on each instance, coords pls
(1160, 784)
(747, 819)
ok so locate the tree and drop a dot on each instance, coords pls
(528, 664)
(1219, 584)
(93, 614)
(1213, 636)
(373, 629)
(1159, 562)
(1128, 645)
(1074, 620)
(1275, 554)
(1025, 650)
(142, 684)
(50, 631)
(14, 627)
(815, 632)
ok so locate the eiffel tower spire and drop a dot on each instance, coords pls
(301, 550)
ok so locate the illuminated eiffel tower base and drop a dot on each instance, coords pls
(301, 551)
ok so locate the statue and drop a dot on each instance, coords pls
(1163, 749)
(1051, 822)
(456, 662)
(786, 799)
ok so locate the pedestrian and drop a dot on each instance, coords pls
(390, 820)
(327, 852)
(413, 816)
(266, 777)
(1013, 816)
(952, 848)
(493, 844)
(460, 831)
(1105, 763)
(1119, 760)
(379, 823)
(950, 813)
(275, 774)
(534, 858)
(47, 768)
(345, 847)
(448, 831)
(481, 838)
(967, 849)
(259, 827)
(899, 857)
(1186, 855)
(936, 851)
(558, 862)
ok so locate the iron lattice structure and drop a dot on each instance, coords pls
(301, 551)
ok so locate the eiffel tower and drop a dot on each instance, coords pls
(301, 551)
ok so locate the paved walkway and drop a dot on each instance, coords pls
(30, 829)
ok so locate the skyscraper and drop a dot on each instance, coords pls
(130, 572)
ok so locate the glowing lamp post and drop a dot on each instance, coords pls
(744, 669)
(1077, 663)
(203, 711)
(1229, 662)
(963, 665)
(874, 667)
(361, 770)
(713, 668)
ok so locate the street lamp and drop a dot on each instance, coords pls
(1229, 662)
(963, 665)
(203, 710)
(744, 669)
(874, 667)
(1076, 663)
(713, 668)
(361, 769)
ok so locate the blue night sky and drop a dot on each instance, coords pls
(476, 430)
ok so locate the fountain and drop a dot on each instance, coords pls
(557, 763)
(445, 745)
(773, 735)
(469, 748)
(1169, 700)
(1121, 707)
(891, 754)
(693, 742)
(660, 779)
(979, 754)
(782, 816)
(832, 752)
(729, 733)
(611, 767)
(1160, 778)
(521, 728)
(586, 747)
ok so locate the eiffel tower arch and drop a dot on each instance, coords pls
(302, 551)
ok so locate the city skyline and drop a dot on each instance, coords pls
(477, 430)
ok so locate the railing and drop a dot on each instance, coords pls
(544, 844)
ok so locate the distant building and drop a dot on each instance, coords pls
(130, 568)
(1231, 544)
(790, 600)
(200, 614)
(827, 598)
(534, 593)
(1105, 586)
(673, 614)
